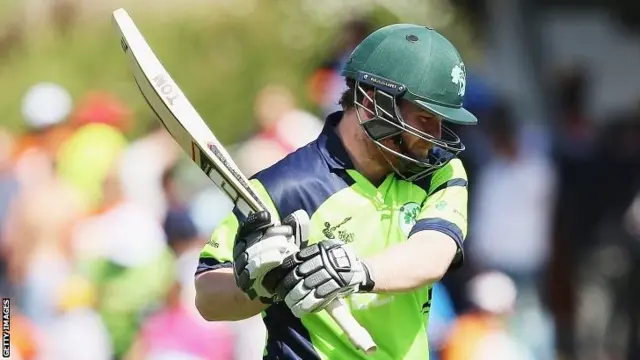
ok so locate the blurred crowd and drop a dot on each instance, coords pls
(100, 232)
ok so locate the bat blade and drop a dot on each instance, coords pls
(193, 135)
(180, 118)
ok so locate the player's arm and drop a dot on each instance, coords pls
(326, 270)
(219, 299)
(435, 242)
(218, 296)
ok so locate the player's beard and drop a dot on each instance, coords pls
(407, 145)
(416, 149)
(381, 160)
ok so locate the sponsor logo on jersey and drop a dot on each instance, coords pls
(333, 231)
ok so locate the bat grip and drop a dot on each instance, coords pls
(356, 333)
(337, 310)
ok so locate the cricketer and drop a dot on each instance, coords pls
(387, 200)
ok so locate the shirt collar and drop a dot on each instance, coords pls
(330, 144)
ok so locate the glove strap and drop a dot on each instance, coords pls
(368, 283)
(266, 300)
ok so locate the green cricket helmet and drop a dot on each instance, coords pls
(412, 63)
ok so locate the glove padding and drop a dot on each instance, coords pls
(318, 274)
(260, 247)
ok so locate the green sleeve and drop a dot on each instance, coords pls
(445, 208)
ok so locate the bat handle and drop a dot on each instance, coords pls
(336, 309)
(356, 333)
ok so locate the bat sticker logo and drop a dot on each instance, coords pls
(165, 88)
(233, 172)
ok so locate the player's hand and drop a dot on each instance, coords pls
(260, 247)
(318, 274)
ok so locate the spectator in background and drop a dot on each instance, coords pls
(35, 231)
(102, 107)
(143, 164)
(122, 249)
(576, 209)
(483, 334)
(176, 331)
(38, 253)
(100, 123)
(208, 208)
(283, 128)
(515, 191)
(608, 297)
(45, 107)
(512, 220)
(576, 134)
(180, 230)
(78, 332)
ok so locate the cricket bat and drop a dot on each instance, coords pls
(193, 135)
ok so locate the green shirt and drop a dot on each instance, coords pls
(344, 205)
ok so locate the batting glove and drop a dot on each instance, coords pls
(260, 247)
(318, 274)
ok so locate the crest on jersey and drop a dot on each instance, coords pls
(407, 217)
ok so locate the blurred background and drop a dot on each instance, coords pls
(102, 216)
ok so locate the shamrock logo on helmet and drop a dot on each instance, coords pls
(459, 77)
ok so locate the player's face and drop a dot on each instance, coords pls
(422, 121)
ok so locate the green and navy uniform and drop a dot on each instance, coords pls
(342, 204)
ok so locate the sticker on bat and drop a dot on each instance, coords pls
(233, 172)
(165, 88)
